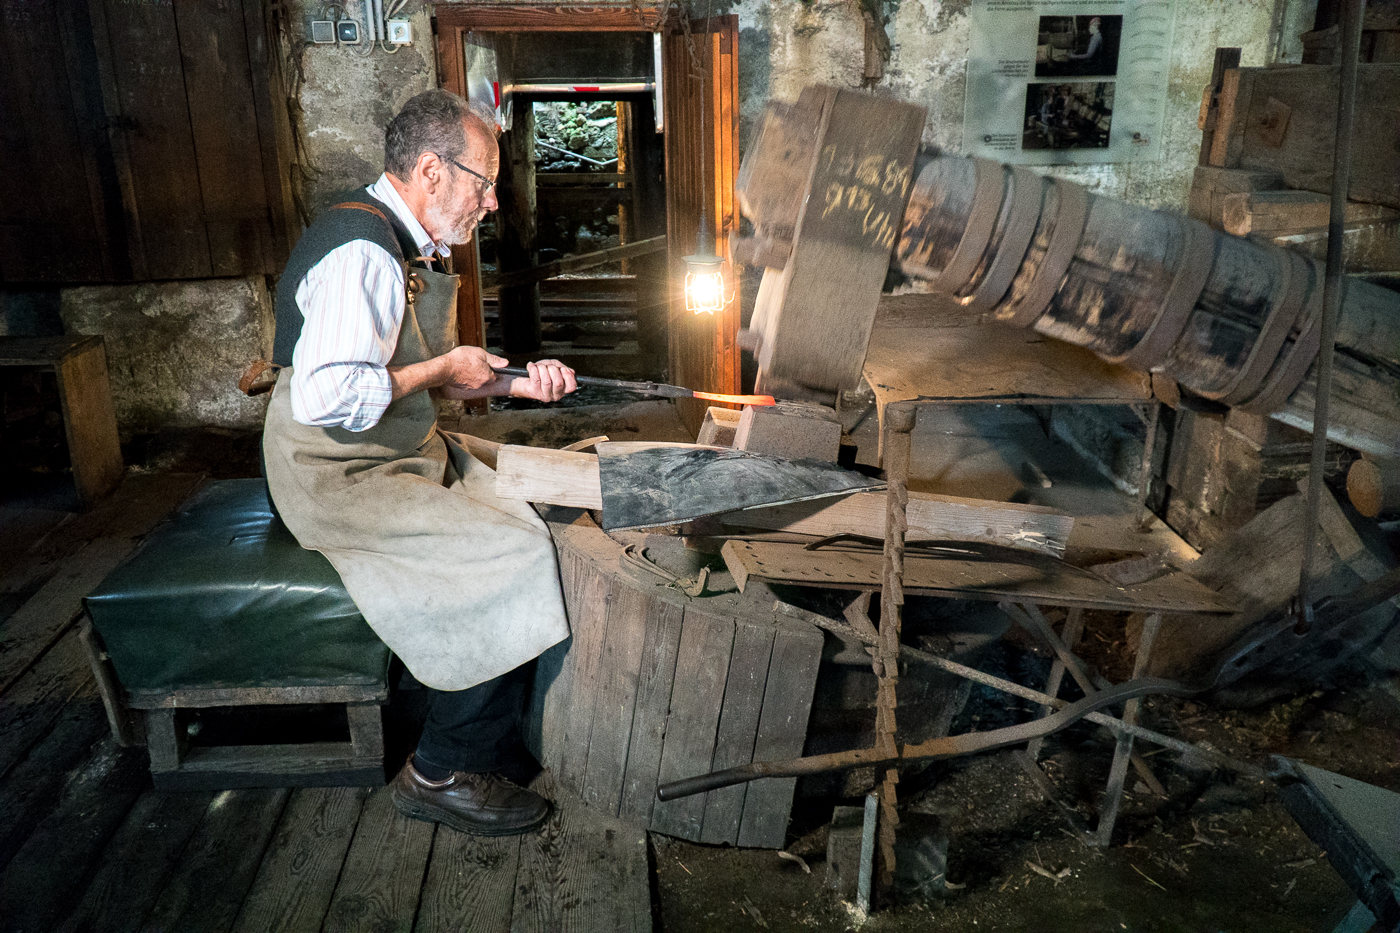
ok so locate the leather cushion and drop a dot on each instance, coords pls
(223, 596)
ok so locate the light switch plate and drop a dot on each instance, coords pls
(400, 32)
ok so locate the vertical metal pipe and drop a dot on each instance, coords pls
(1350, 51)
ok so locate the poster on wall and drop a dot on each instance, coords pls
(1052, 82)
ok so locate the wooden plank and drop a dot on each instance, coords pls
(951, 518)
(43, 879)
(213, 49)
(46, 615)
(379, 885)
(993, 364)
(32, 789)
(702, 664)
(596, 590)
(615, 691)
(138, 504)
(1210, 185)
(150, 86)
(1304, 156)
(654, 686)
(554, 676)
(782, 731)
(1232, 110)
(558, 477)
(738, 728)
(22, 527)
(275, 142)
(531, 16)
(204, 893)
(470, 884)
(90, 423)
(200, 697)
(39, 696)
(315, 764)
(574, 263)
(1279, 213)
(1041, 583)
(582, 871)
(517, 237)
(294, 885)
(137, 861)
(581, 179)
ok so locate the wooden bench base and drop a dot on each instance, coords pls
(178, 766)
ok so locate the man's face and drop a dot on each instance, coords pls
(457, 206)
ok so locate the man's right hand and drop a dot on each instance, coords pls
(470, 367)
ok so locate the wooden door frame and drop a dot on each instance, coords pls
(451, 23)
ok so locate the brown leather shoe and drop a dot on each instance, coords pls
(480, 804)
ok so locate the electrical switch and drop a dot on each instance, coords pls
(348, 31)
(400, 32)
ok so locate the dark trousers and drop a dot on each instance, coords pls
(476, 729)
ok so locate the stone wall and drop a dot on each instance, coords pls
(175, 350)
(785, 45)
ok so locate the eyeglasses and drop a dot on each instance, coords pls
(489, 183)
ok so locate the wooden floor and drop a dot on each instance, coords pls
(87, 844)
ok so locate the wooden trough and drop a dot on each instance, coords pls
(654, 685)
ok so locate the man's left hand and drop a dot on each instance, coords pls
(549, 381)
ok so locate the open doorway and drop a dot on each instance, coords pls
(569, 199)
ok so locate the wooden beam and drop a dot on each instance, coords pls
(534, 16)
(573, 179)
(952, 518)
(574, 263)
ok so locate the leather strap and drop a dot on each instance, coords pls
(361, 206)
(251, 384)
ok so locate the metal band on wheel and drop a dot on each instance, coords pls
(1069, 226)
(1289, 373)
(1027, 196)
(1192, 270)
(986, 205)
(1283, 317)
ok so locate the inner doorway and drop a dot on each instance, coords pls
(693, 61)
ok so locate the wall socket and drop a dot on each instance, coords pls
(400, 32)
(348, 32)
(323, 32)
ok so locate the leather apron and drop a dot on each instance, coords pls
(461, 585)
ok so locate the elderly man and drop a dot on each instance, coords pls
(463, 586)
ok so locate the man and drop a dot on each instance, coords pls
(1090, 57)
(463, 586)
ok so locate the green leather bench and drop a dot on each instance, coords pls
(220, 607)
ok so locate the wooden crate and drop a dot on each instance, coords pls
(654, 686)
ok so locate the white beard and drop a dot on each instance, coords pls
(454, 229)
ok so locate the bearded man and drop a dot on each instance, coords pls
(461, 585)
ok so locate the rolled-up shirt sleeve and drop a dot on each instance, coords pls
(352, 308)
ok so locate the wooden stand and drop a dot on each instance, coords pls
(80, 363)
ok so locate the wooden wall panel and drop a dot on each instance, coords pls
(224, 125)
(150, 85)
(48, 231)
(702, 348)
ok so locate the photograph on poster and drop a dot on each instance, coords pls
(1068, 116)
(1078, 45)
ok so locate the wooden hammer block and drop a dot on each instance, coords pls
(793, 430)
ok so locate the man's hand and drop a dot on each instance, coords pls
(470, 367)
(549, 381)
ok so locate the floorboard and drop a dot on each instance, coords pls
(383, 874)
(50, 870)
(583, 871)
(50, 612)
(471, 883)
(137, 861)
(32, 789)
(298, 874)
(219, 863)
(29, 708)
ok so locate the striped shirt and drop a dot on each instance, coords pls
(352, 302)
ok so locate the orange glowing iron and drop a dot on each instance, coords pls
(654, 388)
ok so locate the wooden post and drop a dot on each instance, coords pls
(519, 304)
(648, 219)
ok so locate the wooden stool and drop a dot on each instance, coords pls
(220, 607)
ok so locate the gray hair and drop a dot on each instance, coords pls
(431, 122)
